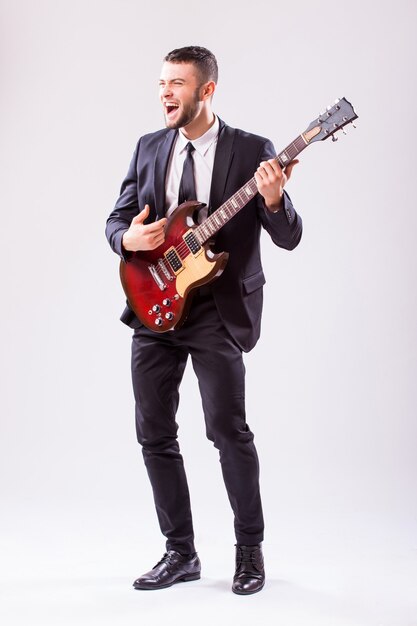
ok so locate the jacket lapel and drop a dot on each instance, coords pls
(161, 165)
(222, 162)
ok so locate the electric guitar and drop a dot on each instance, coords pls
(159, 283)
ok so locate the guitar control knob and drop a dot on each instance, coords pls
(169, 315)
(159, 321)
(156, 308)
(166, 302)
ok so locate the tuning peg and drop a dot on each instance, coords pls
(334, 138)
(344, 132)
(353, 125)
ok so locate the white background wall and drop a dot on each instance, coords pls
(330, 386)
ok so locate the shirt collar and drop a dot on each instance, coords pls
(203, 143)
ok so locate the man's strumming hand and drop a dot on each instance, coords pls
(271, 179)
(142, 236)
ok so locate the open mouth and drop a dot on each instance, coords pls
(171, 108)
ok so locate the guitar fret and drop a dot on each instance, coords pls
(293, 150)
(233, 208)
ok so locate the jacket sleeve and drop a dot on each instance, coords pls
(127, 206)
(284, 227)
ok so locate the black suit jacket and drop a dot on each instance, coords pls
(238, 291)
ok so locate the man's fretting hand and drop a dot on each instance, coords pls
(142, 236)
(270, 180)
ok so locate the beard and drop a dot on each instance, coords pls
(187, 115)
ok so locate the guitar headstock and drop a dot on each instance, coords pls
(329, 122)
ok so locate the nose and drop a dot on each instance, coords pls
(166, 91)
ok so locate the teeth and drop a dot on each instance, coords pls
(171, 104)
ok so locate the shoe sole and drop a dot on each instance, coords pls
(183, 579)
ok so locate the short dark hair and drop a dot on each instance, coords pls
(203, 59)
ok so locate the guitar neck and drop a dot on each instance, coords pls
(214, 222)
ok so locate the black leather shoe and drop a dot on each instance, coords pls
(172, 568)
(249, 575)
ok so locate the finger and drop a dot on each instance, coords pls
(156, 241)
(275, 167)
(270, 170)
(155, 228)
(157, 234)
(262, 173)
(141, 217)
(159, 240)
(271, 166)
(258, 178)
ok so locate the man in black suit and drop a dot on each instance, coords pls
(225, 316)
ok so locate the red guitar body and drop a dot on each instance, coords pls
(159, 283)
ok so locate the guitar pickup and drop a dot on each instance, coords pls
(192, 243)
(174, 260)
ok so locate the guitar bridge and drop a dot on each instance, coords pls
(164, 270)
(154, 273)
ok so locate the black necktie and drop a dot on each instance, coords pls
(187, 184)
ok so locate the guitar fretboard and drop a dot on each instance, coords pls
(212, 224)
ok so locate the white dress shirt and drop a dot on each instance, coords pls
(203, 157)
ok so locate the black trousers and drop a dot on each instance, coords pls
(158, 363)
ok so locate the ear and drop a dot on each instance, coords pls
(208, 90)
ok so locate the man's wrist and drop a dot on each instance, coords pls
(274, 208)
(125, 242)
